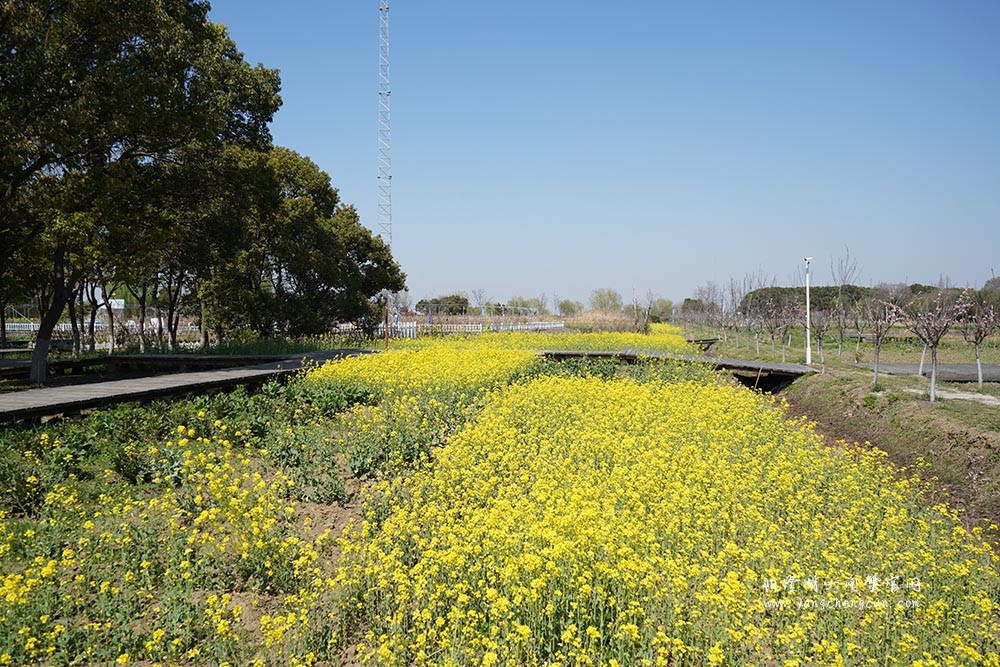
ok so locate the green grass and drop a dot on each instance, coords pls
(953, 349)
(973, 413)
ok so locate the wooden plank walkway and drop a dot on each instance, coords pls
(51, 401)
(736, 365)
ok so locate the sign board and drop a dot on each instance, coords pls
(117, 304)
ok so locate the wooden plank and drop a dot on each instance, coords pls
(704, 343)
(743, 365)
(33, 403)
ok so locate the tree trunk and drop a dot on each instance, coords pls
(75, 328)
(172, 324)
(3, 323)
(140, 298)
(40, 355)
(933, 373)
(979, 368)
(81, 314)
(878, 349)
(63, 288)
(172, 319)
(111, 322)
(158, 309)
(822, 359)
(204, 325)
(159, 328)
(92, 326)
(923, 356)
(142, 329)
(757, 338)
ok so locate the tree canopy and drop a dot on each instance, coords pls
(450, 304)
(135, 151)
(605, 298)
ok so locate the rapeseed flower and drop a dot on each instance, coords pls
(580, 521)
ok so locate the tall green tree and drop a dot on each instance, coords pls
(605, 298)
(305, 262)
(89, 89)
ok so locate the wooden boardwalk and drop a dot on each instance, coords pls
(21, 368)
(52, 401)
(763, 374)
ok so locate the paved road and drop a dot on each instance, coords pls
(48, 401)
(946, 372)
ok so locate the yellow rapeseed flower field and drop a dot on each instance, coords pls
(132, 573)
(422, 396)
(661, 338)
(521, 513)
(580, 521)
(439, 368)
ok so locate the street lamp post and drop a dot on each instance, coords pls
(808, 332)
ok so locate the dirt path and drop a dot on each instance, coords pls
(951, 394)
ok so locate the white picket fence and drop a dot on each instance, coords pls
(526, 326)
(32, 327)
(417, 329)
(66, 327)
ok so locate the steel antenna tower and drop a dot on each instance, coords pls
(384, 144)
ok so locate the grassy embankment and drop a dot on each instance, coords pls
(957, 442)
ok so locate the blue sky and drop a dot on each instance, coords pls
(558, 147)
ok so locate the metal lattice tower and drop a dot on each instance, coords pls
(384, 144)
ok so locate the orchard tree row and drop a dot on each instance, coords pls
(847, 311)
(136, 157)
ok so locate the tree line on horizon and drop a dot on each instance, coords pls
(849, 311)
(605, 300)
(136, 159)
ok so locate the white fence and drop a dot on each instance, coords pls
(527, 326)
(99, 326)
(32, 327)
(417, 329)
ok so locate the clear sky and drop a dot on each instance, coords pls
(557, 147)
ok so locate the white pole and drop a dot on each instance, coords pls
(808, 332)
